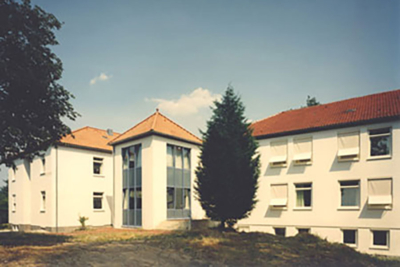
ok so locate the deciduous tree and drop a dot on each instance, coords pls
(32, 102)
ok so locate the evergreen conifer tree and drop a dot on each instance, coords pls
(227, 175)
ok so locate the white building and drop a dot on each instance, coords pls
(332, 170)
(72, 179)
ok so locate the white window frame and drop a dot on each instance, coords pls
(390, 134)
(304, 189)
(100, 161)
(42, 161)
(382, 247)
(356, 237)
(303, 158)
(98, 195)
(389, 198)
(281, 160)
(349, 187)
(348, 154)
(279, 203)
(42, 201)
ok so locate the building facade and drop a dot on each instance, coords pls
(335, 176)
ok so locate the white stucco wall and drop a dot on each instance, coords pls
(154, 180)
(326, 218)
(68, 182)
(77, 183)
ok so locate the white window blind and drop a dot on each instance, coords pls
(302, 149)
(278, 152)
(279, 194)
(349, 145)
(380, 192)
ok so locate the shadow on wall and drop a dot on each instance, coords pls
(296, 169)
(273, 171)
(341, 166)
(273, 213)
(370, 213)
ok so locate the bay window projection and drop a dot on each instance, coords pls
(380, 142)
(132, 185)
(302, 151)
(350, 193)
(380, 193)
(303, 195)
(279, 194)
(278, 154)
(178, 182)
(349, 146)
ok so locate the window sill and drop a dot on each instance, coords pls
(98, 210)
(302, 164)
(278, 208)
(379, 247)
(303, 208)
(349, 160)
(349, 208)
(379, 207)
(379, 157)
(98, 175)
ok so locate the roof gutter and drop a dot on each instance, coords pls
(85, 147)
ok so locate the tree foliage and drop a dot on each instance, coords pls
(312, 101)
(227, 175)
(4, 203)
(32, 102)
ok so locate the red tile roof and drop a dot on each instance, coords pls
(355, 111)
(160, 125)
(89, 138)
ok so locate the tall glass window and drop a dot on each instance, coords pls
(178, 182)
(132, 185)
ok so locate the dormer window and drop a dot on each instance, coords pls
(302, 151)
(278, 154)
(349, 146)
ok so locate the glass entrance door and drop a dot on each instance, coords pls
(132, 186)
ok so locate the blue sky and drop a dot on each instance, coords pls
(123, 59)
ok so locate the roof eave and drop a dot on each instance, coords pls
(152, 132)
(84, 147)
(329, 127)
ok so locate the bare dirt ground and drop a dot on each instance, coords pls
(123, 247)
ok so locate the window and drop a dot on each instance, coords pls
(350, 237)
(43, 201)
(303, 230)
(380, 238)
(349, 146)
(278, 195)
(98, 166)
(42, 166)
(380, 142)
(178, 182)
(350, 193)
(302, 151)
(14, 203)
(303, 195)
(278, 154)
(97, 201)
(380, 193)
(280, 231)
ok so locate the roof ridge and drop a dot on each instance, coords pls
(134, 126)
(179, 126)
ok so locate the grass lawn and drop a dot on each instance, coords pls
(172, 248)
